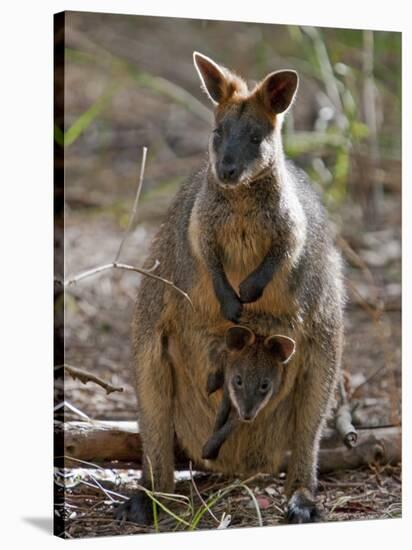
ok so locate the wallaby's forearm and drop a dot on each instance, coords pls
(229, 301)
(251, 289)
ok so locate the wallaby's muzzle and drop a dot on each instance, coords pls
(228, 171)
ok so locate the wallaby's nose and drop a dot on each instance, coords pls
(228, 170)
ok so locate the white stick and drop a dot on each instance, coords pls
(136, 201)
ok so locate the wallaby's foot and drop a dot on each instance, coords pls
(250, 290)
(302, 508)
(232, 309)
(210, 450)
(138, 509)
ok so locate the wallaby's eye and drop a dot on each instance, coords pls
(254, 138)
(238, 381)
(264, 386)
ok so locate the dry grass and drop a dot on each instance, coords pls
(91, 495)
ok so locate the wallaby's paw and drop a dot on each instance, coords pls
(232, 309)
(302, 509)
(250, 291)
(138, 509)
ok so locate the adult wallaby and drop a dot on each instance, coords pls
(248, 240)
(249, 368)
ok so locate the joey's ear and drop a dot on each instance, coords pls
(278, 90)
(239, 337)
(282, 346)
(218, 82)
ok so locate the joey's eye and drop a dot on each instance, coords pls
(254, 138)
(238, 381)
(265, 385)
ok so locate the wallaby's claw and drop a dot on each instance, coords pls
(302, 509)
(138, 509)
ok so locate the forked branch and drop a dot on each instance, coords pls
(118, 265)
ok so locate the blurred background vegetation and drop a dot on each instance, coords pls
(130, 82)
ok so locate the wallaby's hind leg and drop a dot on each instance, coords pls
(313, 395)
(302, 508)
(154, 389)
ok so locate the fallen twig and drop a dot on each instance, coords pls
(85, 377)
(343, 419)
(120, 442)
(345, 427)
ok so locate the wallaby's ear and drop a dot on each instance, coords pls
(218, 82)
(239, 337)
(212, 77)
(278, 90)
(282, 346)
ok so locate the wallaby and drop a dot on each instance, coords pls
(248, 239)
(249, 369)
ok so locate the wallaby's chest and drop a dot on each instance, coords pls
(244, 240)
(242, 237)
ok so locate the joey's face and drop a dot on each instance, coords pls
(254, 368)
(241, 146)
(252, 385)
